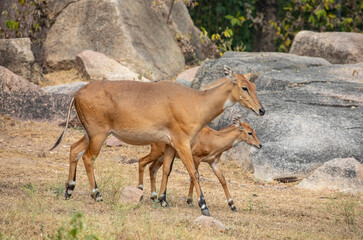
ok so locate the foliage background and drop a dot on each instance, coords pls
(241, 19)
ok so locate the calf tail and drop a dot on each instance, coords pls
(67, 122)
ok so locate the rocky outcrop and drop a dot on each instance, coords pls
(188, 36)
(68, 88)
(313, 111)
(258, 63)
(22, 99)
(336, 47)
(16, 55)
(128, 31)
(96, 66)
(342, 174)
(186, 77)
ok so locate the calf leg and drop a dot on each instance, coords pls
(76, 152)
(222, 180)
(155, 153)
(153, 170)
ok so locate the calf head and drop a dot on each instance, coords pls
(247, 134)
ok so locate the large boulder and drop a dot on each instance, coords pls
(313, 113)
(128, 31)
(188, 36)
(342, 174)
(16, 55)
(22, 99)
(246, 62)
(336, 47)
(68, 88)
(96, 66)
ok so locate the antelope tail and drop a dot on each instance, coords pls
(67, 122)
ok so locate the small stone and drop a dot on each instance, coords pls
(131, 195)
(209, 222)
(113, 142)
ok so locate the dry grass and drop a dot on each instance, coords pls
(61, 77)
(32, 204)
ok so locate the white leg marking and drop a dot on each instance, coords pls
(80, 155)
(154, 194)
(141, 186)
(203, 206)
(72, 183)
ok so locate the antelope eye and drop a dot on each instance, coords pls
(250, 134)
(245, 89)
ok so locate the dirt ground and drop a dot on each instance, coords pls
(32, 204)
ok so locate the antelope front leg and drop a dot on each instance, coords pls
(222, 180)
(167, 166)
(185, 154)
(76, 152)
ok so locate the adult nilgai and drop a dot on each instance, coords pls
(208, 147)
(144, 113)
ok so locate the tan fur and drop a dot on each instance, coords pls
(144, 113)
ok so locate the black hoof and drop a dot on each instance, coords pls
(189, 201)
(234, 209)
(164, 203)
(205, 212)
(67, 196)
(96, 196)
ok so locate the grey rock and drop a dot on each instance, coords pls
(68, 88)
(186, 77)
(244, 62)
(342, 174)
(313, 114)
(16, 55)
(128, 31)
(24, 100)
(336, 47)
(96, 66)
(191, 45)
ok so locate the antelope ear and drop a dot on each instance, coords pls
(236, 121)
(228, 72)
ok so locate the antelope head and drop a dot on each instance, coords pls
(247, 134)
(244, 91)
